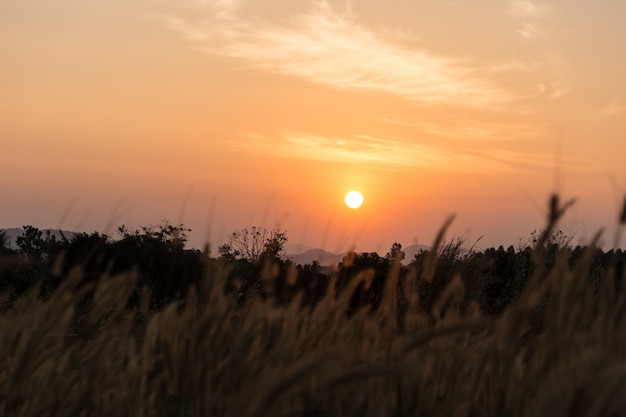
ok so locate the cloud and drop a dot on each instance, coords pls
(483, 133)
(334, 49)
(189, 32)
(529, 31)
(221, 7)
(387, 154)
(514, 66)
(326, 47)
(553, 90)
(400, 154)
(529, 9)
(614, 107)
(517, 159)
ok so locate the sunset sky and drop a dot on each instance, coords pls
(227, 114)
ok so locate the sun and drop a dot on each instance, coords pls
(354, 199)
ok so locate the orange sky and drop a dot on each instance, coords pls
(226, 114)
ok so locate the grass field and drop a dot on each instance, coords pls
(558, 350)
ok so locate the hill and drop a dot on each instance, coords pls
(326, 258)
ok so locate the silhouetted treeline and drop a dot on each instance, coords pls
(157, 256)
(450, 277)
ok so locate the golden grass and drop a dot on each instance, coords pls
(559, 350)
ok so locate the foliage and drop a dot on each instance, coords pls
(157, 253)
(364, 275)
(395, 254)
(535, 331)
(254, 245)
(4, 241)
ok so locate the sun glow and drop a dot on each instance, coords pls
(354, 199)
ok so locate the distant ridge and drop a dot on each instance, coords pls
(326, 258)
(296, 248)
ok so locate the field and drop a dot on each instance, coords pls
(434, 339)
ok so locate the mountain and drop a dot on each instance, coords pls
(296, 248)
(325, 258)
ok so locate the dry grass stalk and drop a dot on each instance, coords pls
(557, 350)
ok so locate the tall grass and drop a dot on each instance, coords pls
(558, 350)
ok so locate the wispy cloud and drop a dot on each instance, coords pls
(390, 154)
(517, 159)
(614, 107)
(331, 48)
(529, 9)
(387, 154)
(553, 90)
(221, 7)
(529, 31)
(530, 12)
(514, 66)
(485, 133)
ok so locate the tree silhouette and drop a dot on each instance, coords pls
(254, 245)
(373, 271)
(4, 240)
(395, 253)
(35, 244)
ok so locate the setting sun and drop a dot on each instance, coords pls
(354, 199)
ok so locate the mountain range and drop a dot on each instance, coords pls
(302, 254)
